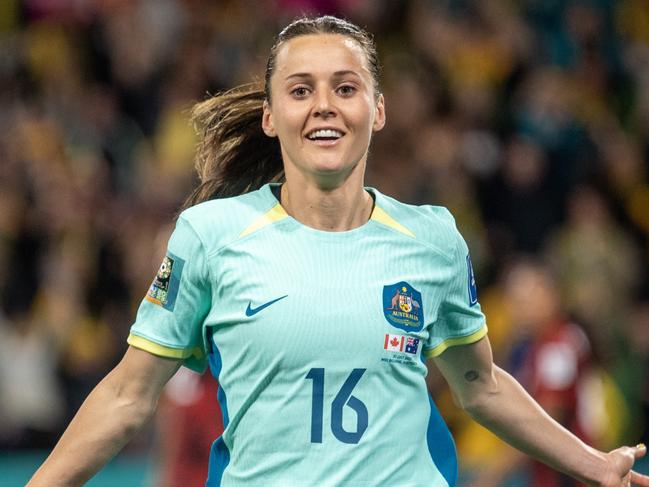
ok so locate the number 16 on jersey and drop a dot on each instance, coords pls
(343, 398)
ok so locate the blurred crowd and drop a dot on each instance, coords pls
(528, 119)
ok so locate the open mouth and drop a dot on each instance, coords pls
(325, 135)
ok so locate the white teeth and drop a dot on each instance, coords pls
(325, 134)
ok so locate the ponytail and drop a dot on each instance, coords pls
(234, 155)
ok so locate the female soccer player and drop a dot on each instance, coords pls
(317, 303)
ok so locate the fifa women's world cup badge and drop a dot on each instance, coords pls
(402, 307)
(164, 288)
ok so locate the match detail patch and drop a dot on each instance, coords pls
(164, 288)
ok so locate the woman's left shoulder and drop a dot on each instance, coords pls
(431, 224)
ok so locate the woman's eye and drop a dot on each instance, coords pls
(300, 92)
(346, 90)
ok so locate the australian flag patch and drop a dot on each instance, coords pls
(412, 345)
(165, 285)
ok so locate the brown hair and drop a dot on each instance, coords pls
(234, 155)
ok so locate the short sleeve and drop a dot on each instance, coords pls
(169, 321)
(460, 319)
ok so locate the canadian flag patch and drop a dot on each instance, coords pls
(393, 343)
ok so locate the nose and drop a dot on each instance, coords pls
(323, 107)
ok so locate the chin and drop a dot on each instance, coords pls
(328, 168)
(335, 164)
(333, 170)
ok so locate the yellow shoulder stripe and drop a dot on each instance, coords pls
(452, 342)
(161, 350)
(381, 216)
(275, 214)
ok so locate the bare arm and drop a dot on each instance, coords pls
(493, 398)
(113, 412)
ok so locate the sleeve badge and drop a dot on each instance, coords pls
(164, 288)
(473, 290)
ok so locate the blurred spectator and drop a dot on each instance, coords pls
(32, 400)
(596, 261)
(523, 203)
(188, 421)
(631, 372)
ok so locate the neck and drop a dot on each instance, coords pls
(334, 210)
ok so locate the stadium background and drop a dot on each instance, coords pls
(529, 119)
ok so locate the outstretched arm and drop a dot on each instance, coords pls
(498, 402)
(113, 412)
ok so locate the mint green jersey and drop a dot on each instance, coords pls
(318, 339)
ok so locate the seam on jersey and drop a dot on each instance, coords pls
(207, 271)
(437, 250)
(206, 268)
(449, 288)
(454, 341)
(455, 278)
(157, 348)
(424, 214)
(275, 214)
(238, 236)
(283, 221)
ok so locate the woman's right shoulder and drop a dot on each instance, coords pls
(219, 222)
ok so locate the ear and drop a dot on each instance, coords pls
(267, 121)
(379, 114)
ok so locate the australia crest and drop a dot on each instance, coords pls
(402, 306)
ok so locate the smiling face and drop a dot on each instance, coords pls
(323, 108)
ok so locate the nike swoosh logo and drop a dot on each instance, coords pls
(253, 311)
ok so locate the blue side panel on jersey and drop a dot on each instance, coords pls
(219, 454)
(441, 445)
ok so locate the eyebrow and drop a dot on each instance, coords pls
(337, 74)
